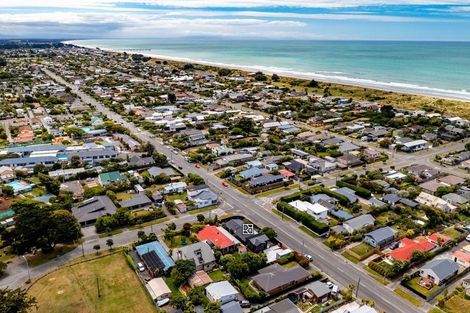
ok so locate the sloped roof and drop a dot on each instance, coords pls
(443, 268)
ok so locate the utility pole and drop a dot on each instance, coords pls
(27, 266)
(358, 284)
(83, 250)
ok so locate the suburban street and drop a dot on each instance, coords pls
(337, 268)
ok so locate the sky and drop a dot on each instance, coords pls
(427, 20)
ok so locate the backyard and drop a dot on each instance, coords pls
(105, 284)
(458, 304)
(414, 284)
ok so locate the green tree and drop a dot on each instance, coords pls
(52, 185)
(97, 248)
(8, 191)
(16, 301)
(247, 125)
(224, 72)
(110, 243)
(3, 62)
(269, 232)
(237, 268)
(182, 271)
(275, 78)
(39, 168)
(212, 307)
(3, 267)
(66, 227)
(179, 302)
(260, 77)
(200, 218)
(313, 84)
(195, 179)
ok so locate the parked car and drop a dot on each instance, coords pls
(224, 183)
(245, 304)
(467, 238)
(163, 302)
(197, 166)
(309, 257)
(140, 267)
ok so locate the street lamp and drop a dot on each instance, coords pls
(27, 265)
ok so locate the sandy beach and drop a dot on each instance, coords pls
(336, 79)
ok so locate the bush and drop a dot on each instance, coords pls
(360, 191)
(130, 262)
(303, 217)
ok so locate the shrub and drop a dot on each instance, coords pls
(303, 217)
(360, 191)
(130, 262)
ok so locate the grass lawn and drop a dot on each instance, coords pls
(458, 304)
(177, 242)
(212, 207)
(171, 284)
(122, 196)
(217, 275)
(350, 257)
(41, 258)
(414, 284)
(408, 297)
(362, 249)
(277, 190)
(183, 197)
(5, 255)
(435, 310)
(290, 264)
(111, 233)
(75, 288)
(451, 232)
(376, 276)
(36, 192)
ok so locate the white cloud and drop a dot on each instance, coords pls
(223, 3)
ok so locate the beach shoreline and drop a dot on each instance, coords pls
(401, 88)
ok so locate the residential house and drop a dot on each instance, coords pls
(6, 174)
(66, 173)
(138, 201)
(439, 271)
(178, 187)
(200, 252)
(436, 202)
(407, 247)
(255, 242)
(318, 211)
(158, 289)
(155, 258)
(283, 306)
(155, 171)
(349, 160)
(321, 166)
(266, 180)
(462, 258)
(222, 292)
(202, 196)
(371, 154)
(90, 210)
(219, 237)
(319, 291)
(380, 237)
(348, 193)
(74, 187)
(415, 145)
(358, 223)
(231, 307)
(111, 178)
(253, 172)
(274, 279)
(138, 161)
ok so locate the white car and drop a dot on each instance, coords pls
(309, 257)
(467, 238)
(140, 267)
(162, 302)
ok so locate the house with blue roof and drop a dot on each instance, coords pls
(155, 258)
(255, 163)
(253, 172)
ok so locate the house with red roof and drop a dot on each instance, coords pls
(461, 257)
(219, 237)
(438, 239)
(407, 247)
(287, 174)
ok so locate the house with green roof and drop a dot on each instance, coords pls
(111, 178)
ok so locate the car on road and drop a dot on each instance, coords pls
(245, 304)
(140, 267)
(308, 257)
(163, 302)
(197, 166)
(180, 167)
(224, 183)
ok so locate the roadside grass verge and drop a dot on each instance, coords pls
(408, 297)
(111, 233)
(350, 257)
(308, 231)
(41, 258)
(275, 191)
(376, 276)
(209, 208)
(282, 215)
(157, 221)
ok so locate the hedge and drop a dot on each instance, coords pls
(130, 262)
(316, 190)
(360, 191)
(303, 217)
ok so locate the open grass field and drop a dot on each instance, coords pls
(75, 288)
(458, 304)
(41, 258)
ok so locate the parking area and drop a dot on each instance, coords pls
(144, 274)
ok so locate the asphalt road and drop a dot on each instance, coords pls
(336, 267)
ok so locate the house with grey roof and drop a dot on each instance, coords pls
(274, 279)
(358, 223)
(348, 193)
(202, 196)
(200, 252)
(138, 201)
(265, 180)
(154, 171)
(138, 161)
(319, 291)
(253, 172)
(231, 307)
(283, 306)
(439, 271)
(455, 199)
(380, 237)
(221, 291)
(90, 210)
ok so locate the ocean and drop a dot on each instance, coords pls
(429, 68)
